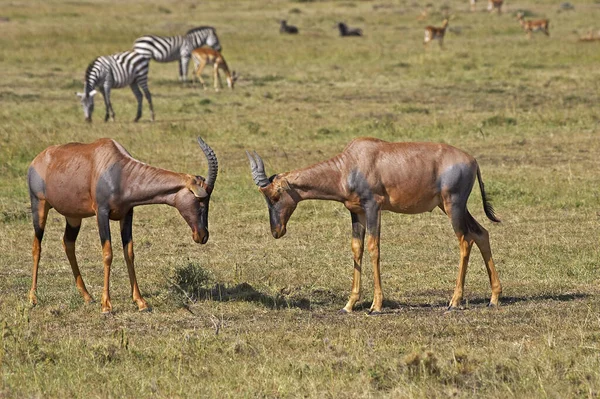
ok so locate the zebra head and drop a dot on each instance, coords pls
(87, 102)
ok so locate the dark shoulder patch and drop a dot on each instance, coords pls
(109, 184)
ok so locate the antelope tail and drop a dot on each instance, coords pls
(487, 207)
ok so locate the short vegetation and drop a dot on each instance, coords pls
(249, 316)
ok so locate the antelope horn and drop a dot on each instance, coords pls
(258, 170)
(213, 164)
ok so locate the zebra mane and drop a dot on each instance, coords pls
(199, 28)
(89, 87)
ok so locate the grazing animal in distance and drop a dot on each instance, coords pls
(495, 5)
(473, 4)
(112, 72)
(285, 28)
(540, 25)
(371, 176)
(346, 31)
(177, 48)
(589, 37)
(102, 179)
(207, 56)
(434, 33)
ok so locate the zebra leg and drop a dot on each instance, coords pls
(138, 95)
(109, 109)
(183, 66)
(149, 98)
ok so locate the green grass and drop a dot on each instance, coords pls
(250, 316)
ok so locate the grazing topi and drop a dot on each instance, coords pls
(371, 176)
(102, 179)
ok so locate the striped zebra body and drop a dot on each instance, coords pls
(171, 48)
(115, 71)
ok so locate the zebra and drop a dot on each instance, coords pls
(116, 71)
(171, 48)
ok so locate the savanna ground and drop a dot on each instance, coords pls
(258, 317)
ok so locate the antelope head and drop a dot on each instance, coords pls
(87, 102)
(278, 194)
(192, 201)
(232, 79)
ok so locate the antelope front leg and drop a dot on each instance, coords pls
(107, 256)
(127, 238)
(373, 229)
(358, 243)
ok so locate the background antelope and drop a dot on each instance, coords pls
(533, 25)
(372, 175)
(434, 33)
(346, 31)
(206, 56)
(495, 5)
(115, 71)
(102, 179)
(177, 48)
(285, 28)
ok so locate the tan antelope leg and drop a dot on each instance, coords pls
(482, 239)
(373, 239)
(199, 70)
(358, 244)
(216, 77)
(126, 237)
(71, 232)
(465, 245)
(39, 210)
(107, 255)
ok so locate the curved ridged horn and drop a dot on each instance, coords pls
(258, 170)
(213, 164)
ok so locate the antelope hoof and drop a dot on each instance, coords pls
(32, 299)
(493, 305)
(88, 300)
(374, 312)
(142, 305)
(343, 311)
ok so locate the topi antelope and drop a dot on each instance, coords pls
(285, 28)
(495, 5)
(102, 179)
(433, 33)
(345, 31)
(204, 56)
(533, 26)
(371, 176)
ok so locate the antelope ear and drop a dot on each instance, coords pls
(198, 191)
(78, 94)
(93, 93)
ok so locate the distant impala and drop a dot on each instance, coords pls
(433, 33)
(495, 5)
(102, 179)
(204, 56)
(371, 176)
(540, 25)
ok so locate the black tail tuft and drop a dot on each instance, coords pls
(487, 207)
